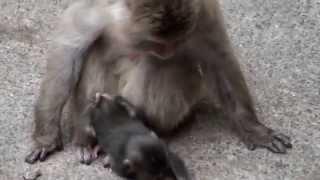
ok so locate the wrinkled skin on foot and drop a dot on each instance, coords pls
(41, 153)
(273, 141)
(88, 154)
(256, 135)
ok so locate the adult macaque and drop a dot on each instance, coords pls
(164, 56)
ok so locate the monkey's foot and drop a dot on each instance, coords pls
(41, 153)
(274, 141)
(88, 154)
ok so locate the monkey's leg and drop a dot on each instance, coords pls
(84, 136)
(255, 134)
(86, 143)
(47, 133)
(239, 110)
(96, 77)
(63, 70)
(62, 75)
(222, 74)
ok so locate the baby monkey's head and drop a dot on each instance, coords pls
(146, 157)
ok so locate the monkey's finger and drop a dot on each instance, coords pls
(271, 148)
(44, 154)
(85, 156)
(106, 162)
(33, 156)
(95, 152)
(277, 147)
(97, 98)
(284, 139)
(81, 155)
(46, 151)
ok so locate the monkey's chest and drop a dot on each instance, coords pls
(164, 91)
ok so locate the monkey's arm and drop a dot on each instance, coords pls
(80, 26)
(223, 75)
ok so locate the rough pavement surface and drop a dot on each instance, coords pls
(278, 44)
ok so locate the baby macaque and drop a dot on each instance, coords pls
(134, 151)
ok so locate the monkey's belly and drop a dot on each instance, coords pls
(166, 93)
(96, 76)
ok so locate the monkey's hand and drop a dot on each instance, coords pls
(88, 154)
(42, 153)
(107, 162)
(274, 141)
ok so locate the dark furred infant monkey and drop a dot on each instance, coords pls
(135, 152)
(182, 56)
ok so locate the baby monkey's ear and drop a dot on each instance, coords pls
(127, 105)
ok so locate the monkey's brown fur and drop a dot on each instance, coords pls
(92, 54)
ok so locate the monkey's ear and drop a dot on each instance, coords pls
(178, 167)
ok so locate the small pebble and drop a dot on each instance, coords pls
(32, 175)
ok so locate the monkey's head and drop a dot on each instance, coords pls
(159, 27)
(148, 158)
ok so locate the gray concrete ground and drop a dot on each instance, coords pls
(278, 42)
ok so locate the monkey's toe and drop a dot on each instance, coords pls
(285, 140)
(279, 144)
(33, 156)
(88, 154)
(40, 154)
(274, 142)
(85, 156)
(107, 162)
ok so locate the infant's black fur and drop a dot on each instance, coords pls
(135, 152)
